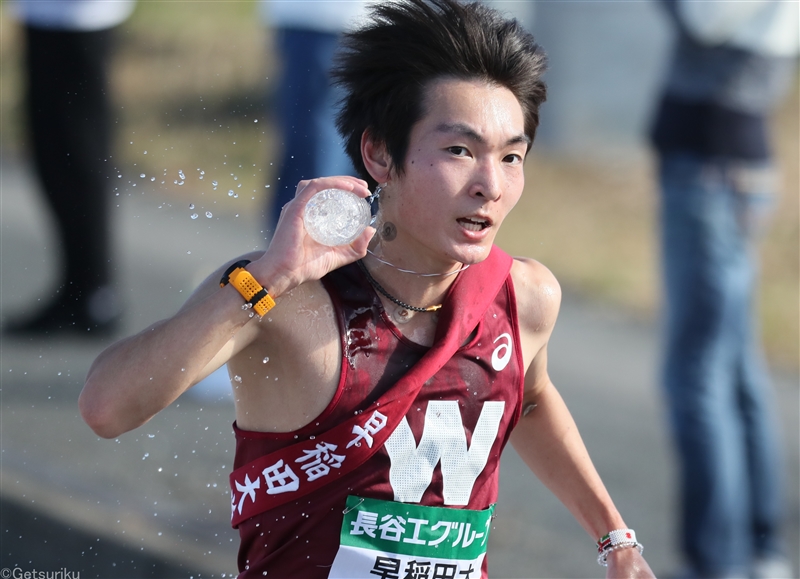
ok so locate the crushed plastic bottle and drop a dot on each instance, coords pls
(336, 217)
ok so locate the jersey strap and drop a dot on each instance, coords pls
(303, 467)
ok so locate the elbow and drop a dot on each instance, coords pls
(99, 414)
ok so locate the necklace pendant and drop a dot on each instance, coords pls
(402, 315)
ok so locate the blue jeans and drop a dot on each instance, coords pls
(306, 105)
(716, 384)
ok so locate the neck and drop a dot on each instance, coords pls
(415, 290)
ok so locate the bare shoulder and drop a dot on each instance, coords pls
(538, 295)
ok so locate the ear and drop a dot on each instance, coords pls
(376, 158)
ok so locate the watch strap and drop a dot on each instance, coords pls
(253, 293)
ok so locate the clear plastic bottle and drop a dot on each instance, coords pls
(336, 217)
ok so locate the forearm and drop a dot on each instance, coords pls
(137, 377)
(548, 440)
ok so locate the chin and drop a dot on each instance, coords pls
(473, 253)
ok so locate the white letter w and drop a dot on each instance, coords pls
(443, 438)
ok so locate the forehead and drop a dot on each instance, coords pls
(479, 104)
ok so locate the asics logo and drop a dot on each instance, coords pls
(502, 353)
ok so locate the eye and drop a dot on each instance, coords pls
(513, 159)
(458, 151)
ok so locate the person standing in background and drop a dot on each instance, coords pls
(68, 45)
(306, 35)
(732, 63)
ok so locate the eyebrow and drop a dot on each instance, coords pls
(467, 131)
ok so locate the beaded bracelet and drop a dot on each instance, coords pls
(617, 539)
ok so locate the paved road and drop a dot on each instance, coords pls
(155, 502)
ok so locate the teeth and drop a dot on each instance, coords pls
(472, 225)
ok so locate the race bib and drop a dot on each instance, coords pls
(394, 540)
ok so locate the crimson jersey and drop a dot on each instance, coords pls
(301, 538)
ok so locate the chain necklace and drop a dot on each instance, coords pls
(384, 262)
(404, 314)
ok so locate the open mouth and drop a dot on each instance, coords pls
(473, 224)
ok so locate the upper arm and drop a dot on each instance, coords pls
(538, 301)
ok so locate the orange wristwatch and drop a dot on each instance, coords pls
(244, 282)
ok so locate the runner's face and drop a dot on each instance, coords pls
(463, 172)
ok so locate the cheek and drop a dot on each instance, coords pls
(513, 194)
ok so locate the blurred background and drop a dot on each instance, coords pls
(194, 161)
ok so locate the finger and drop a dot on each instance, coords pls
(361, 243)
(308, 188)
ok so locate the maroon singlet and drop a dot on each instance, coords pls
(301, 538)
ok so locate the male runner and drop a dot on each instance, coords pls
(401, 364)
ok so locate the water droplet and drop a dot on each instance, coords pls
(151, 436)
(145, 152)
(152, 178)
(238, 379)
(146, 454)
(191, 205)
(230, 193)
(209, 215)
(142, 176)
(194, 216)
(266, 359)
(255, 121)
(214, 184)
(181, 175)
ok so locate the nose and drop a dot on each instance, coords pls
(488, 181)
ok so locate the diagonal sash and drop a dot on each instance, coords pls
(301, 468)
